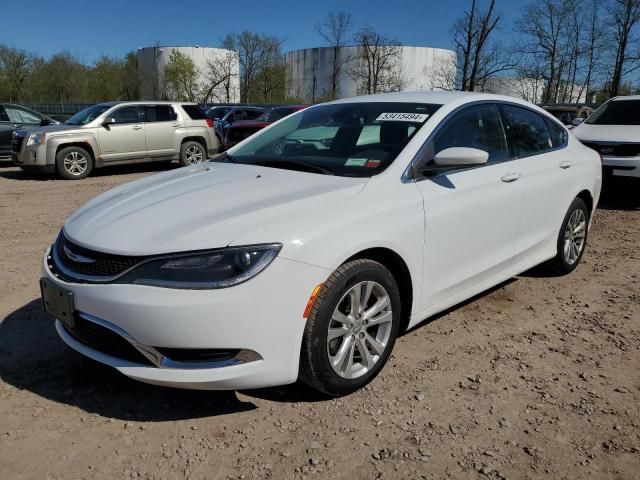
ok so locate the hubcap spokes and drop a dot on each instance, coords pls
(359, 329)
(193, 155)
(75, 163)
(574, 236)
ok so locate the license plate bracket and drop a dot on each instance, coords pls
(58, 302)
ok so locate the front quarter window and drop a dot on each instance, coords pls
(346, 139)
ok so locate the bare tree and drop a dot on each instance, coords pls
(543, 24)
(260, 59)
(378, 67)
(625, 14)
(219, 78)
(335, 30)
(14, 70)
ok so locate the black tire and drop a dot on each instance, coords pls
(83, 167)
(192, 153)
(562, 263)
(315, 367)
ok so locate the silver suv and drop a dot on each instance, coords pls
(116, 133)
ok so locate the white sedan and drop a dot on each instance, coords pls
(300, 254)
(614, 131)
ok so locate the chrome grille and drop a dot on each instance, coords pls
(73, 262)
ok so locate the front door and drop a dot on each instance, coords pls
(122, 136)
(472, 214)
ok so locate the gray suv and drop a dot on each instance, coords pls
(116, 133)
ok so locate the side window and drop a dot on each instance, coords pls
(19, 115)
(3, 115)
(558, 134)
(129, 114)
(475, 127)
(528, 131)
(233, 116)
(159, 113)
(252, 114)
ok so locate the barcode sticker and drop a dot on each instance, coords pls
(403, 117)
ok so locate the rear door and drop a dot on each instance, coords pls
(122, 137)
(471, 214)
(539, 145)
(160, 125)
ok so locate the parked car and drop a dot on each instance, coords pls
(281, 261)
(614, 131)
(14, 117)
(568, 112)
(244, 129)
(116, 133)
(225, 116)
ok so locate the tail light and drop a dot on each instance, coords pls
(209, 122)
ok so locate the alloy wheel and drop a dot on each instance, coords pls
(75, 163)
(359, 329)
(194, 154)
(574, 236)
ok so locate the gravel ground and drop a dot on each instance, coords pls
(539, 377)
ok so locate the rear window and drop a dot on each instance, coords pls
(194, 112)
(617, 112)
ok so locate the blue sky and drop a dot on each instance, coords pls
(91, 28)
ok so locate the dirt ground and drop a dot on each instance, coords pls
(539, 378)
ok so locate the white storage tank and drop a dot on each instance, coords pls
(310, 71)
(153, 60)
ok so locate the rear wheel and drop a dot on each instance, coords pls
(351, 329)
(572, 238)
(74, 163)
(192, 153)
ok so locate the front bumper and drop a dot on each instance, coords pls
(32, 157)
(621, 166)
(262, 315)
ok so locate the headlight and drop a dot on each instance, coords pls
(205, 270)
(36, 139)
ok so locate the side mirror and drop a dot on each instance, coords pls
(577, 121)
(108, 122)
(461, 157)
(45, 121)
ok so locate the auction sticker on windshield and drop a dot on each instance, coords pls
(402, 117)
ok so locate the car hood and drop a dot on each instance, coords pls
(202, 207)
(607, 133)
(60, 127)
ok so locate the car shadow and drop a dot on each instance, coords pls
(33, 358)
(149, 167)
(619, 193)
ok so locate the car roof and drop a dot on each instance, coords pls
(433, 97)
(626, 97)
(145, 102)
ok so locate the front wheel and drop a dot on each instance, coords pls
(74, 163)
(351, 328)
(572, 238)
(192, 153)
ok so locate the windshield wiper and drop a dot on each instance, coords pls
(291, 165)
(223, 157)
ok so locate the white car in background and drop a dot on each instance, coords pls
(287, 259)
(614, 131)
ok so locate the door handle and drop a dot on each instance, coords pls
(175, 124)
(137, 127)
(511, 177)
(566, 164)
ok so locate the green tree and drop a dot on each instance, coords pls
(15, 68)
(181, 78)
(106, 80)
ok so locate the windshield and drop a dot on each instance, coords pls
(347, 139)
(617, 112)
(217, 113)
(88, 115)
